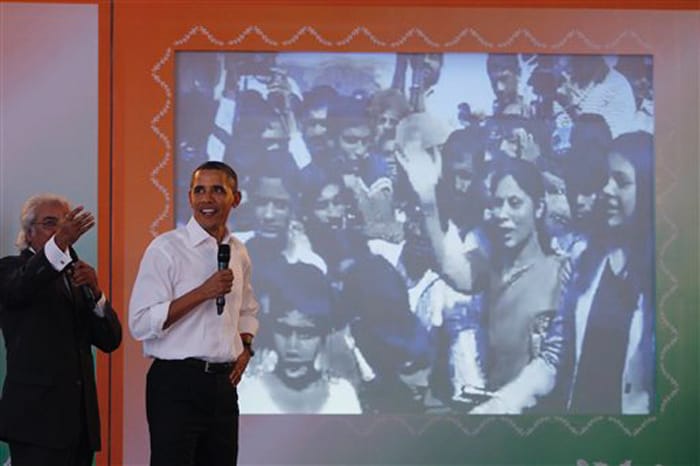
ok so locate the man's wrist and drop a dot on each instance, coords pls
(247, 340)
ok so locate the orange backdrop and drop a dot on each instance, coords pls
(138, 41)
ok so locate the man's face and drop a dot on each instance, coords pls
(272, 208)
(584, 205)
(462, 173)
(642, 89)
(354, 143)
(44, 226)
(297, 340)
(212, 196)
(558, 212)
(505, 85)
(315, 129)
(386, 125)
(329, 208)
(431, 66)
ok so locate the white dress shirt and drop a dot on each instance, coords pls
(175, 263)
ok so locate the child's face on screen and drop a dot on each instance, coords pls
(297, 340)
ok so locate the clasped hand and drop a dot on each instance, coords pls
(218, 284)
(83, 274)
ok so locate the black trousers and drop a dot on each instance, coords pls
(78, 454)
(192, 415)
(26, 454)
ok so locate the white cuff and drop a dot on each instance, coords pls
(57, 258)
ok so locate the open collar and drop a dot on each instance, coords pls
(197, 235)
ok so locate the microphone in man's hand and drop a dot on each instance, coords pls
(222, 257)
(86, 291)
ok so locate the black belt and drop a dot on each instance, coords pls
(205, 366)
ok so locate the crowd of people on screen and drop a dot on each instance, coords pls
(412, 256)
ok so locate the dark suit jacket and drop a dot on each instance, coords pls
(49, 331)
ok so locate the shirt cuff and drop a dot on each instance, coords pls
(100, 306)
(248, 324)
(57, 258)
(158, 316)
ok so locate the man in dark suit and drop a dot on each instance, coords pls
(52, 311)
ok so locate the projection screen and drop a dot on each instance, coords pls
(441, 209)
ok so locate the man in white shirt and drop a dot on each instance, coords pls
(199, 351)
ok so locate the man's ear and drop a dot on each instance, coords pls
(237, 198)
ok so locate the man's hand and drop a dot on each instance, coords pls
(84, 274)
(72, 226)
(218, 284)
(422, 166)
(239, 367)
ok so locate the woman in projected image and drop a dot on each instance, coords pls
(610, 304)
(300, 320)
(525, 276)
(598, 357)
(521, 278)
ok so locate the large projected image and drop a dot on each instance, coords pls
(436, 233)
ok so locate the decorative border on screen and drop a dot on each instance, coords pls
(521, 425)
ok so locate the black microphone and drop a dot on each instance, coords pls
(222, 257)
(86, 291)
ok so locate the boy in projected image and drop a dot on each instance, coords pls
(352, 137)
(586, 172)
(314, 124)
(278, 234)
(382, 336)
(300, 317)
(386, 109)
(504, 72)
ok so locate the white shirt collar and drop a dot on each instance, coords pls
(198, 235)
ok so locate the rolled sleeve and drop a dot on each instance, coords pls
(248, 320)
(151, 296)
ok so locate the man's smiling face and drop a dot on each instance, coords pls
(212, 196)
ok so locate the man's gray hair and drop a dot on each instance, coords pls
(28, 215)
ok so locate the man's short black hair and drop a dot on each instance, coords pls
(220, 166)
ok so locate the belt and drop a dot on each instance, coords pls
(204, 366)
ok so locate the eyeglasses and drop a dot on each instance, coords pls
(50, 222)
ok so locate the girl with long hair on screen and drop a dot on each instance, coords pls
(611, 303)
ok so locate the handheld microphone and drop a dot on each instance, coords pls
(223, 256)
(86, 291)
